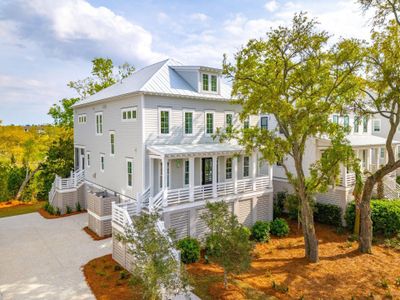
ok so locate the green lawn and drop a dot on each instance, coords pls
(19, 209)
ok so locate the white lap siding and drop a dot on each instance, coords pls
(244, 212)
(179, 223)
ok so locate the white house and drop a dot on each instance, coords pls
(147, 142)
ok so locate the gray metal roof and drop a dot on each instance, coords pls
(157, 79)
(186, 150)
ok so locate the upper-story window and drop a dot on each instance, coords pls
(112, 143)
(102, 158)
(246, 166)
(188, 122)
(209, 82)
(335, 119)
(376, 125)
(186, 170)
(164, 117)
(356, 124)
(99, 123)
(246, 123)
(129, 114)
(129, 172)
(209, 120)
(82, 119)
(228, 121)
(346, 121)
(365, 124)
(88, 159)
(228, 168)
(264, 122)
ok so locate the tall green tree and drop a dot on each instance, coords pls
(103, 75)
(293, 76)
(227, 241)
(382, 97)
(384, 10)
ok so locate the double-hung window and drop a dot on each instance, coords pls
(213, 83)
(128, 114)
(228, 168)
(112, 143)
(88, 159)
(246, 123)
(164, 120)
(365, 124)
(335, 119)
(228, 121)
(209, 120)
(188, 122)
(356, 124)
(129, 172)
(346, 121)
(102, 163)
(376, 125)
(264, 123)
(246, 166)
(99, 123)
(186, 170)
(209, 82)
(82, 119)
(205, 82)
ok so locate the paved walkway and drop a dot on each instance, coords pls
(42, 259)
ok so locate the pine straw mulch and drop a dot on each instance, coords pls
(342, 272)
(108, 280)
(46, 215)
(94, 235)
(13, 203)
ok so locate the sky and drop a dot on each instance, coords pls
(44, 44)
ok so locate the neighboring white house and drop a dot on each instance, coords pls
(368, 147)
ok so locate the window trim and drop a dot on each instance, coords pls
(112, 145)
(246, 120)
(233, 118)
(365, 124)
(100, 113)
(88, 158)
(264, 116)
(373, 123)
(356, 124)
(169, 110)
(102, 162)
(248, 175)
(205, 122)
(226, 168)
(209, 86)
(184, 172)
(126, 109)
(184, 122)
(336, 119)
(82, 121)
(129, 160)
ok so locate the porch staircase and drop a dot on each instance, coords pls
(391, 188)
(76, 179)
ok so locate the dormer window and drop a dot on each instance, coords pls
(209, 83)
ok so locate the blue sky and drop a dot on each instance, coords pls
(46, 43)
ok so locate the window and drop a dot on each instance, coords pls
(213, 83)
(376, 125)
(246, 123)
(128, 114)
(205, 82)
(161, 174)
(264, 123)
(186, 175)
(112, 143)
(346, 121)
(335, 119)
(228, 121)
(129, 172)
(246, 166)
(382, 153)
(398, 151)
(164, 121)
(99, 123)
(88, 159)
(167, 174)
(228, 168)
(365, 124)
(102, 162)
(188, 122)
(82, 119)
(356, 123)
(209, 123)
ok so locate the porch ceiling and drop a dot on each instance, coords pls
(188, 150)
(360, 140)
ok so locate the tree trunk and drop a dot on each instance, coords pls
(310, 238)
(365, 242)
(225, 280)
(28, 177)
(357, 219)
(380, 189)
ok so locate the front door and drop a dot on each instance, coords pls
(206, 170)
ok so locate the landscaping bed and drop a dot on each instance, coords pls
(45, 214)
(94, 235)
(13, 208)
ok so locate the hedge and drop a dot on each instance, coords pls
(328, 214)
(385, 216)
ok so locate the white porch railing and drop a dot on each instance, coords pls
(348, 180)
(157, 201)
(225, 188)
(178, 196)
(73, 181)
(122, 212)
(202, 192)
(263, 183)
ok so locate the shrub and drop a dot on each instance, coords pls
(49, 208)
(78, 206)
(69, 209)
(213, 247)
(292, 204)
(385, 216)
(190, 250)
(279, 227)
(328, 214)
(58, 211)
(247, 230)
(123, 274)
(260, 231)
(279, 204)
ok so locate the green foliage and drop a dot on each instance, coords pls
(63, 113)
(393, 243)
(260, 231)
(58, 211)
(279, 204)
(292, 206)
(16, 176)
(385, 216)
(279, 227)
(69, 209)
(227, 241)
(328, 214)
(78, 206)
(280, 287)
(153, 264)
(190, 250)
(49, 208)
(124, 274)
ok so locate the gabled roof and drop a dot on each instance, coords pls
(157, 79)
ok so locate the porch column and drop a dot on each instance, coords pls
(271, 175)
(164, 181)
(214, 176)
(151, 175)
(343, 174)
(254, 169)
(191, 179)
(378, 157)
(235, 171)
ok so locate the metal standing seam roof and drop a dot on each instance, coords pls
(361, 140)
(158, 79)
(193, 149)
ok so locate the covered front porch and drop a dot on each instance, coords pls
(189, 173)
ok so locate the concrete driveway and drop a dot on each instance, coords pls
(42, 259)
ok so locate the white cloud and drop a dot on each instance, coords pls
(199, 17)
(271, 6)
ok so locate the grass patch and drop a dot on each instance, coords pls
(20, 209)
